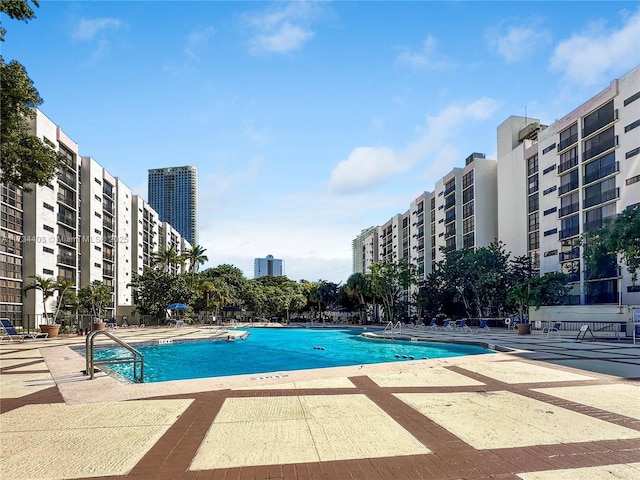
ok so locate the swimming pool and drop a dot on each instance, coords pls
(276, 349)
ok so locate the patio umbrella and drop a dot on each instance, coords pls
(177, 306)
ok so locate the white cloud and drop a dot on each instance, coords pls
(424, 59)
(282, 29)
(197, 40)
(596, 54)
(518, 42)
(87, 30)
(368, 167)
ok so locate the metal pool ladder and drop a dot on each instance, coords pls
(391, 328)
(136, 356)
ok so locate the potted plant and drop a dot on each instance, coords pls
(48, 287)
(95, 297)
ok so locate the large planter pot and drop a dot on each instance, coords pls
(51, 330)
(524, 328)
(99, 326)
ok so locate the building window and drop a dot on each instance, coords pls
(534, 223)
(598, 119)
(568, 137)
(550, 232)
(48, 228)
(632, 180)
(632, 98)
(549, 169)
(550, 253)
(534, 241)
(47, 206)
(632, 153)
(532, 165)
(47, 250)
(631, 126)
(549, 148)
(549, 190)
(550, 211)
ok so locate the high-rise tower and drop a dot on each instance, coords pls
(173, 193)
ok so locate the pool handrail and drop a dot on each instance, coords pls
(137, 357)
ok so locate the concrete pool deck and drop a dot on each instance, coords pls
(550, 409)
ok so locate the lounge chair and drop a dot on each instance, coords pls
(10, 331)
(433, 325)
(555, 327)
(446, 325)
(461, 326)
(483, 327)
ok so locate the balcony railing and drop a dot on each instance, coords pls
(569, 209)
(569, 232)
(603, 121)
(602, 147)
(567, 187)
(67, 260)
(450, 202)
(601, 197)
(71, 221)
(449, 189)
(563, 167)
(601, 173)
(568, 142)
(572, 255)
(69, 200)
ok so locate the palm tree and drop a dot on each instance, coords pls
(166, 257)
(48, 287)
(195, 257)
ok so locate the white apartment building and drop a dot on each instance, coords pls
(145, 234)
(51, 220)
(359, 249)
(84, 226)
(169, 238)
(590, 171)
(462, 212)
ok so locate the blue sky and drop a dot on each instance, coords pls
(310, 121)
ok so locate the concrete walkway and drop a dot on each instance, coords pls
(550, 409)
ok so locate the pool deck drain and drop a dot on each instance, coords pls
(500, 416)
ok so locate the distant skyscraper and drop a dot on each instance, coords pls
(173, 193)
(268, 266)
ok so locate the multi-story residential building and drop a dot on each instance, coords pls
(173, 193)
(590, 167)
(518, 181)
(170, 238)
(268, 266)
(420, 239)
(84, 226)
(464, 210)
(460, 212)
(51, 221)
(11, 248)
(359, 249)
(145, 234)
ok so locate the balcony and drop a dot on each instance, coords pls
(601, 122)
(67, 178)
(569, 209)
(601, 173)
(567, 187)
(601, 147)
(569, 232)
(572, 255)
(67, 220)
(67, 260)
(601, 197)
(450, 202)
(569, 164)
(449, 189)
(568, 142)
(68, 200)
(450, 216)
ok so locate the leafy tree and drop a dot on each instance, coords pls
(95, 298)
(389, 280)
(24, 158)
(429, 298)
(478, 276)
(17, 10)
(154, 290)
(357, 287)
(323, 295)
(233, 278)
(275, 296)
(618, 236)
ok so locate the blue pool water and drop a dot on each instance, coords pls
(277, 349)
